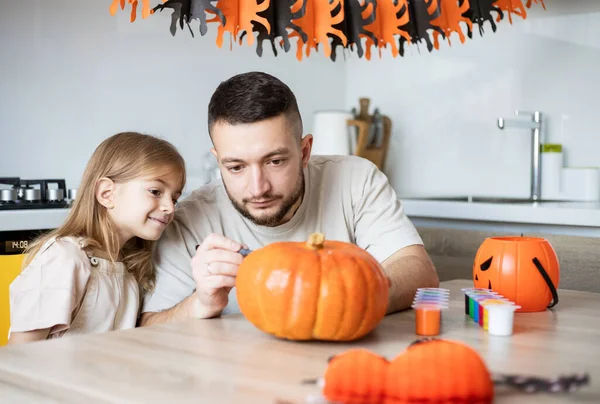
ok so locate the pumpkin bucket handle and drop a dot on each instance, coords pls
(544, 274)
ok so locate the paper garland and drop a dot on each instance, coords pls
(282, 17)
(134, 4)
(449, 21)
(330, 25)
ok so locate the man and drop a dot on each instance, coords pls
(271, 190)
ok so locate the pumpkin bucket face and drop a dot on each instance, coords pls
(320, 290)
(524, 270)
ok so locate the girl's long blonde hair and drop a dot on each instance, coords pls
(122, 157)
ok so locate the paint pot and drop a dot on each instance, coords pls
(501, 318)
(467, 299)
(433, 290)
(474, 305)
(479, 301)
(423, 298)
(430, 302)
(428, 319)
(431, 296)
(428, 305)
(484, 304)
(470, 303)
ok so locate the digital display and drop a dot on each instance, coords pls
(15, 246)
(15, 242)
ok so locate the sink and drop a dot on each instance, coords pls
(480, 199)
(439, 198)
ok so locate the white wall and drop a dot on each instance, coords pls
(444, 105)
(71, 75)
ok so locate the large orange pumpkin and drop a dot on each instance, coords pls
(524, 270)
(315, 290)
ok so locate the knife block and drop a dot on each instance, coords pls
(363, 123)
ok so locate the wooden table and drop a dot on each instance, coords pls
(227, 360)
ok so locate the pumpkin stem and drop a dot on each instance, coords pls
(316, 240)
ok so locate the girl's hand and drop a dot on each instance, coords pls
(28, 336)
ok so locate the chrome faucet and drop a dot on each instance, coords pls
(535, 124)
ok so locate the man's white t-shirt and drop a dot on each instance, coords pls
(346, 198)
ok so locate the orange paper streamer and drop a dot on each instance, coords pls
(387, 25)
(536, 2)
(433, 5)
(317, 22)
(239, 15)
(511, 7)
(450, 19)
(146, 9)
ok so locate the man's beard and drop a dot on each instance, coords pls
(285, 207)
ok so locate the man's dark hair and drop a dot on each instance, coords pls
(253, 97)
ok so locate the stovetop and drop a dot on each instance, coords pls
(33, 205)
(22, 194)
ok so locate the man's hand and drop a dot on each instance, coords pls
(214, 268)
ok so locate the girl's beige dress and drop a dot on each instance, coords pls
(70, 292)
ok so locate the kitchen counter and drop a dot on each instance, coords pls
(578, 218)
(228, 360)
(580, 215)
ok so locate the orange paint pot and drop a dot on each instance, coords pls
(428, 319)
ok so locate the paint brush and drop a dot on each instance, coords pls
(243, 251)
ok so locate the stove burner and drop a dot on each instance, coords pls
(8, 195)
(32, 194)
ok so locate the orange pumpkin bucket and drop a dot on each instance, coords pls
(524, 270)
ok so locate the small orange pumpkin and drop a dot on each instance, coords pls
(428, 371)
(315, 290)
(524, 270)
(356, 376)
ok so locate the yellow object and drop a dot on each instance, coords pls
(10, 266)
(552, 148)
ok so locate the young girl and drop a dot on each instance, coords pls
(88, 275)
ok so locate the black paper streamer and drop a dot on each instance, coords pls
(187, 10)
(280, 16)
(420, 24)
(479, 12)
(534, 384)
(354, 25)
